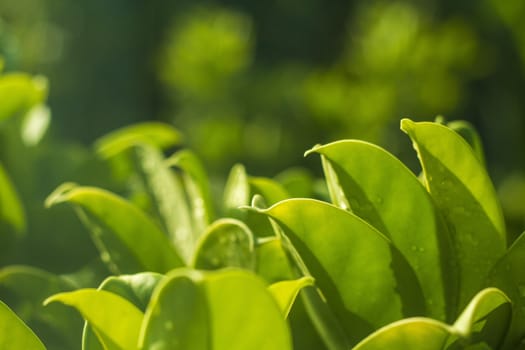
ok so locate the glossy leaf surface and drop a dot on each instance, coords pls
(168, 198)
(125, 235)
(366, 281)
(382, 191)
(136, 289)
(229, 309)
(14, 334)
(285, 292)
(115, 320)
(226, 243)
(464, 195)
(508, 276)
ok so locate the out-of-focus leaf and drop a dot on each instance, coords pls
(136, 288)
(197, 185)
(156, 134)
(128, 240)
(285, 292)
(236, 191)
(508, 276)
(25, 288)
(167, 196)
(269, 189)
(11, 210)
(19, 93)
(272, 262)
(226, 243)
(14, 333)
(227, 309)
(298, 182)
(115, 320)
(366, 281)
(382, 191)
(35, 124)
(463, 193)
(469, 134)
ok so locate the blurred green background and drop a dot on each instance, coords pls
(261, 82)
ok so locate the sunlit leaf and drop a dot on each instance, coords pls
(156, 134)
(228, 309)
(366, 281)
(482, 325)
(226, 243)
(463, 193)
(35, 124)
(115, 320)
(236, 191)
(378, 188)
(408, 334)
(24, 288)
(126, 237)
(136, 288)
(285, 292)
(168, 199)
(14, 334)
(272, 262)
(19, 93)
(197, 185)
(508, 276)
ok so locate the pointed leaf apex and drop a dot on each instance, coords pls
(59, 195)
(312, 150)
(407, 125)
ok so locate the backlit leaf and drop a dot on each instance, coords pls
(223, 310)
(464, 195)
(126, 237)
(14, 334)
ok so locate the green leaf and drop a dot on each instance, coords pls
(366, 281)
(156, 134)
(35, 124)
(378, 188)
(136, 288)
(19, 93)
(115, 320)
(226, 243)
(14, 334)
(269, 189)
(223, 310)
(126, 237)
(482, 325)
(236, 192)
(408, 334)
(197, 185)
(298, 182)
(25, 288)
(463, 193)
(272, 262)
(285, 292)
(167, 195)
(508, 276)
(486, 319)
(11, 209)
(469, 134)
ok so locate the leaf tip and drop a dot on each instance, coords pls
(312, 150)
(407, 125)
(59, 195)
